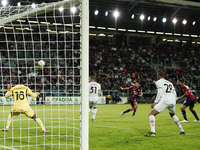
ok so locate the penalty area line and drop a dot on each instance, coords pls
(1, 146)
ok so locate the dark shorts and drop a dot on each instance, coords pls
(189, 103)
(132, 100)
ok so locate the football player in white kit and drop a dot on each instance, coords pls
(166, 98)
(95, 90)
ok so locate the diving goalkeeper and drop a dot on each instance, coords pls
(21, 106)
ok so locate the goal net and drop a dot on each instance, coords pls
(41, 44)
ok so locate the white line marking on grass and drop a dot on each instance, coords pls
(127, 128)
(113, 127)
(178, 133)
(134, 129)
(1, 146)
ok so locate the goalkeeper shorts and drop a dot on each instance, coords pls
(27, 110)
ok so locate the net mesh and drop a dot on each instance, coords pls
(49, 32)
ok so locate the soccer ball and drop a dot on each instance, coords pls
(41, 63)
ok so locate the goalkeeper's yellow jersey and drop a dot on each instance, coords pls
(20, 95)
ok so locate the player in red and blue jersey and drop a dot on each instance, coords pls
(135, 92)
(189, 101)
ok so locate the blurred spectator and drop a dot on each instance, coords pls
(115, 98)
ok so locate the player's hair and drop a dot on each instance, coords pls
(92, 78)
(181, 80)
(161, 73)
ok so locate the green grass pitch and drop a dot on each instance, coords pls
(108, 132)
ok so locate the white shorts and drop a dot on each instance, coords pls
(93, 103)
(161, 106)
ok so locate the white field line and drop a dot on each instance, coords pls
(1, 146)
(134, 129)
(129, 128)
(114, 127)
(126, 128)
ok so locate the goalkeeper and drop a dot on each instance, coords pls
(20, 97)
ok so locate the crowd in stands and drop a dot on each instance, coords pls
(185, 58)
(110, 62)
(113, 66)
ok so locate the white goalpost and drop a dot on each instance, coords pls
(47, 47)
(85, 74)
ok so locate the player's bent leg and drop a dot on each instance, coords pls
(14, 112)
(194, 112)
(152, 121)
(8, 122)
(195, 115)
(184, 114)
(135, 109)
(39, 122)
(126, 111)
(178, 123)
(94, 113)
(91, 109)
(156, 110)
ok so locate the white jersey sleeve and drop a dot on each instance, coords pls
(166, 92)
(158, 84)
(93, 91)
(159, 93)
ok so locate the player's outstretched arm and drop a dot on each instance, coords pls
(174, 92)
(152, 105)
(8, 94)
(141, 94)
(126, 88)
(8, 87)
(158, 97)
(33, 94)
(99, 92)
(185, 94)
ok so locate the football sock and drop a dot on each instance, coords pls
(126, 111)
(176, 120)
(134, 111)
(94, 113)
(195, 114)
(8, 121)
(152, 123)
(40, 123)
(184, 114)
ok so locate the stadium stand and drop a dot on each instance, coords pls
(113, 66)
